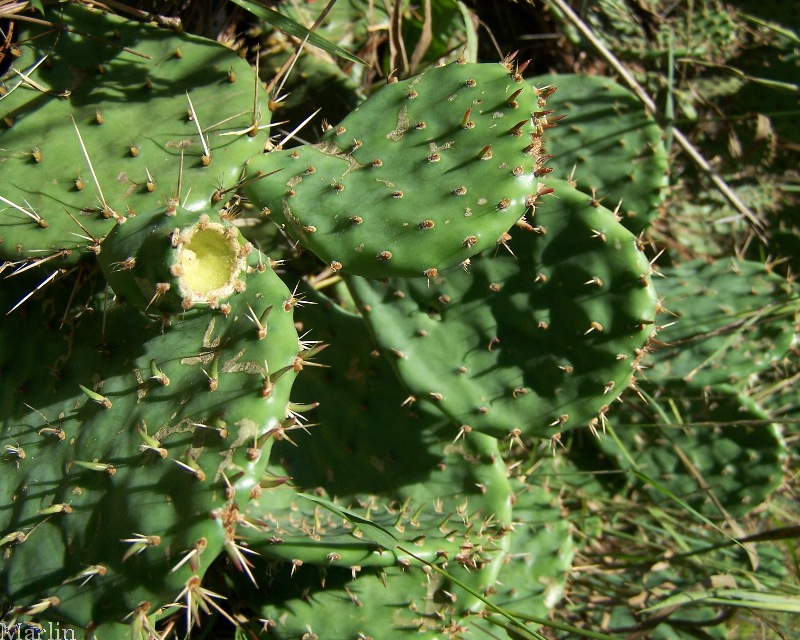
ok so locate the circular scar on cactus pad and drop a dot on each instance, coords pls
(208, 260)
(173, 262)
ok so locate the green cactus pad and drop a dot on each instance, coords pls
(533, 577)
(132, 98)
(388, 603)
(130, 440)
(423, 175)
(528, 343)
(456, 515)
(731, 321)
(712, 447)
(607, 145)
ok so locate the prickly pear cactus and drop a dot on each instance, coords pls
(400, 461)
(148, 357)
(422, 176)
(148, 351)
(455, 512)
(730, 321)
(702, 31)
(533, 340)
(712, 447)
(696, 432)
(357, 24)
(447, 503)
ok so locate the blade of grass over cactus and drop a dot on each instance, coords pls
(376, 533)
(291, 27)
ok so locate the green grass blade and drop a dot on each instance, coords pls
(669, 109)
(772, 26)
(385, 539)
(731, 598)
(287, 25)
(374, 532)
(767, 82)
(623, 449)
(662, 489)
(516, 624)
(576, 632)
(471, 48)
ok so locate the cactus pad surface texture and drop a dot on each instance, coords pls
(446, 501)
(733, 320)
(608, 146)
(109, 127)
(147, 350)
(136, 437)
(712, 447)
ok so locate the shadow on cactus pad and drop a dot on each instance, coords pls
(449, 503)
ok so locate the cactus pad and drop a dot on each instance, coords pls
(710, 446)
(390, 463)
(129, 441)
(731, 321)
(608, 146)
(531, 343)
(424, 174)
(449, 503)
(109, 126)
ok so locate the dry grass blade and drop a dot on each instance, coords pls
(425, 38)
(397, 46)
